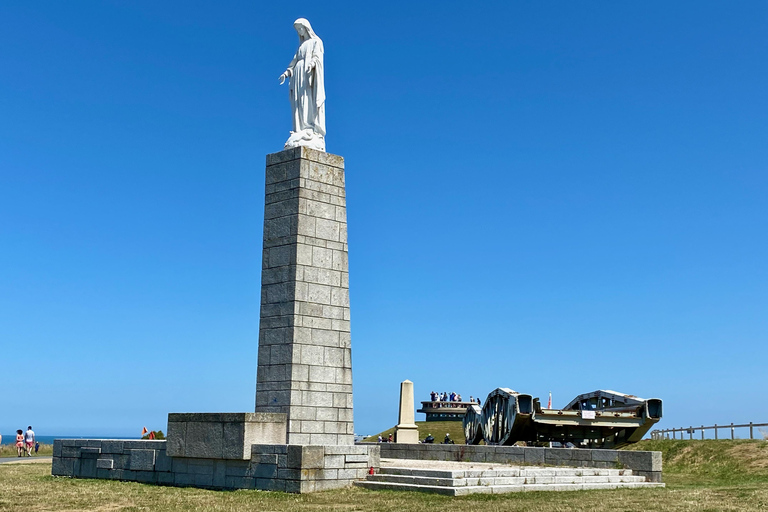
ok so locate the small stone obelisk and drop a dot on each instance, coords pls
(305, 366)
(406, 430)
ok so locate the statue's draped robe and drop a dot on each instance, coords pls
(307, 90)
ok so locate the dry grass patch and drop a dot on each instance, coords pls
(700, 476)
(9, 450)
(29, 487)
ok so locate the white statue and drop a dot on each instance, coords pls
(307, 89)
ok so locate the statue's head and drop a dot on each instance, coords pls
(304, 29)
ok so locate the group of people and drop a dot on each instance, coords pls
(385, 439)
(449, 397)
(445, 397)
(26, 442)
(430, 440)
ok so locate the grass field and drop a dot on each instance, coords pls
(438, 430)
(700, 476)
(9, 450)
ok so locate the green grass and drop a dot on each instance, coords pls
(700, 475)
(9, 450)
(436, 428)
(710, 462)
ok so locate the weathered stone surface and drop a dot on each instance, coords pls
(142, 460)
(296, 468)
(63, 466)
(305, 299)
(640, 460)
(648, 464)
(222, 435)
(105, 463)
(111, 446)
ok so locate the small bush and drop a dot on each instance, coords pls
(158, 434)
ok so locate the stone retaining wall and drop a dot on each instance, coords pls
(647, 464)
(290, 468)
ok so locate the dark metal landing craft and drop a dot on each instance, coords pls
(601, 419)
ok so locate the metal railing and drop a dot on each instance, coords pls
(665, 433)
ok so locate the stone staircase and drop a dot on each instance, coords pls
(457, 481)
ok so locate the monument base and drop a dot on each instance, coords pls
(277, 467)
(408, 434)
(219, 451)
(645, 464)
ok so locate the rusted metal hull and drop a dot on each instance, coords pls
(601, 419)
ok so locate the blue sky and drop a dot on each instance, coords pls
(548, 196)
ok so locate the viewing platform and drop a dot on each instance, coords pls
(440, 410)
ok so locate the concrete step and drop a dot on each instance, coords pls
(511, 471)
(500, 489)
(517, 480)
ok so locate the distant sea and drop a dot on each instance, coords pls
(11, 438)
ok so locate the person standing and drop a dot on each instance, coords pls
(29, 440)
(19, 442)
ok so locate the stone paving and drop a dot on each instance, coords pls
(462, 478)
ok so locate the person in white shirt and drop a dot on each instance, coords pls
(29, 440)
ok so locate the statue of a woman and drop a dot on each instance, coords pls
(307, 89)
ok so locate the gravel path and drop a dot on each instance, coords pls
(23, 460)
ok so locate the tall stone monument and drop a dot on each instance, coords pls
(304, 361)
(301, 437)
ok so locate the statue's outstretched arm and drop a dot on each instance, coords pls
(289, 70)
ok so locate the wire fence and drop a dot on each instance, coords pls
(671, 433)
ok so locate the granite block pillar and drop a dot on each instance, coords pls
(304, 361)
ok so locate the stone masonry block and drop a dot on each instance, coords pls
(162, 461)
(219, 473)
(111, 446)
(89, 453)
(312, 457)
(200, 466)
(105, 463)
(641, 461)
(534, 456)
(63, 466)
(70, 451)
(223, 435)
(557, 456)
(204, 440)
(265, 471)
(142, 460)
(334, 461)
(605, 455)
